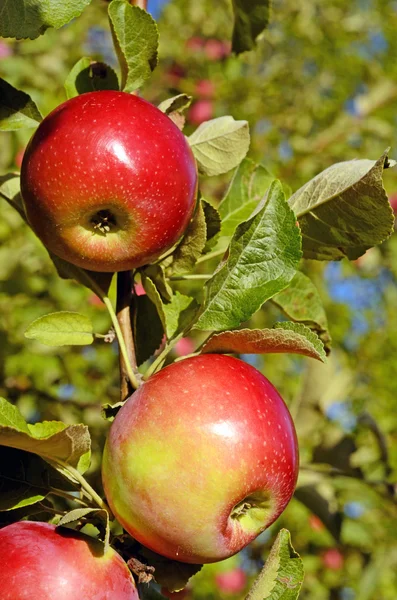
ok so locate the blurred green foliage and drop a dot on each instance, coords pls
(320, 88)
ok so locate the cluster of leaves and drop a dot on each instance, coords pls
(341, 213)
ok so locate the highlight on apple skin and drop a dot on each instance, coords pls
(41, 562)
(201, 459)
(108, 181)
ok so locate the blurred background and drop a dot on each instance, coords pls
(320, 88)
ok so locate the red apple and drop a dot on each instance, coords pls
(41, 562)
(108, 181)
(201, 111)
(231, 582)
(201, 459)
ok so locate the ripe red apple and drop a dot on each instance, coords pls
(201, 459)
(41, 562)
(108, 181)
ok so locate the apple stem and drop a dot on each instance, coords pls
(68, 496)
(158, 362)
(210, 255)
(123, 308)
(85, 486)
(134, 380)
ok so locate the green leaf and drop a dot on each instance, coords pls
(26, 478)
(147, 327)
(52, 440)
(27, 19)
(220, 145)
(10, 191)
(301, 302)
(262, 260)
(174, 315)
(90, 76)
(176, 104)
(61, 329)
(249, 185)
(282, 575)
(294, 338)
(212, 220)
(192, 245)
(344, 210)
(251, 17)
(136, 36)
(168, 573)
(95, 281)
(17, 109)
(157, 274)
(42, 511)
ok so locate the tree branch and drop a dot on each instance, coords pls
(123, 308)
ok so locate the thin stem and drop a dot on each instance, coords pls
(70, 497)
(213, 254)
(85, 485)
(124, 300)
(157, 363)
(131, 375)
(191, 277)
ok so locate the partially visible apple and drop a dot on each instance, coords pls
(201, 459)
(41, 562)
(108, 181)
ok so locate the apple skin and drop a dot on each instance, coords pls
(108, 181)
(41, 562)
(201, 459)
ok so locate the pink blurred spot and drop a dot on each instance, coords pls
(94, 300)
(231, 582)
(332, 559)
(200, 111)
(315, 523)
(183, 347)
(217, 49)
(195, 43)
(5, 50)
(205, 88)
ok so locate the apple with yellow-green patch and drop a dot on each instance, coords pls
(201, 459)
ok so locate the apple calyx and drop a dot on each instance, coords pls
(253, 511)
(104, 221)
